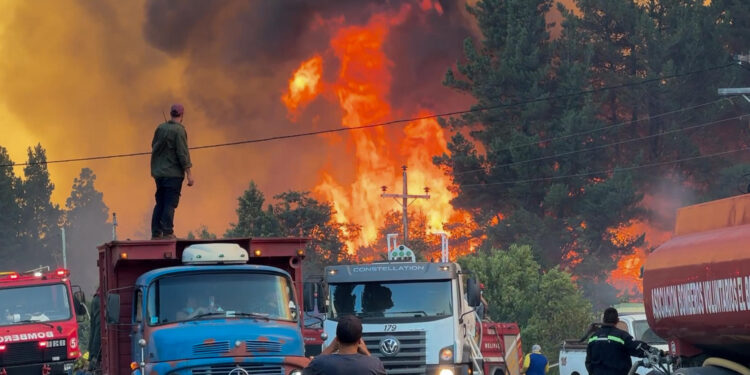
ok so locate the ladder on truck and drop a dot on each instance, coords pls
(477, 358)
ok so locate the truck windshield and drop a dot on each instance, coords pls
(39, 303)
(185, 297)
(423, 300)
(644, 333)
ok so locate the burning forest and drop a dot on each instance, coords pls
(529, 123)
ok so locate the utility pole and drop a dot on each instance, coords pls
(742, 91)
(405, 196)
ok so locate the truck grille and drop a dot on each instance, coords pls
(252, 369)
(208, 348)
(411, 357)
(29, 352)
(253, 346)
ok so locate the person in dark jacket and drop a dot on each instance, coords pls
(95, 333)
(347, 354)
(609, 348)
(170, 164)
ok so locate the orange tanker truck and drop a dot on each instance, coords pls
(697, 289)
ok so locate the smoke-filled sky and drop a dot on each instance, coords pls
(90, 78)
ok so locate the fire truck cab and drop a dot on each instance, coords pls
(38, 324)
(417, 317)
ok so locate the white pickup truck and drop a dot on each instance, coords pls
(572, 359)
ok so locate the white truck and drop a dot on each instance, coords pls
(417, 317)
(572, 359)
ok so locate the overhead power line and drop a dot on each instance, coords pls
(599, 147)
(392, 122)
(608, 171)
(590, 131)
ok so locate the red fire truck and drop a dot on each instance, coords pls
(38, 326)
(501, 348)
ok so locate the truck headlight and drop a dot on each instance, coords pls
(296, 372)
(446, 355)
(446, 371)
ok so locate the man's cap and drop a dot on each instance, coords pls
(177, 110)
(536, 348)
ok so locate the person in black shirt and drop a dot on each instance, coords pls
(609, 348)
(347, 354)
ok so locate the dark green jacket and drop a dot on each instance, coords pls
(169, 151)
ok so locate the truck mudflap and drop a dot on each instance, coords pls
(51, 368)
(227, 365)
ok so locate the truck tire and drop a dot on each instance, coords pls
(727, 364)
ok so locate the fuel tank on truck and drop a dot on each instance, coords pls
(696, 286)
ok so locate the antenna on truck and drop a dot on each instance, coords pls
(114, 226)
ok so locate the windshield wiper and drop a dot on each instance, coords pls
(230, 314)
(205, 315)
(248, 315)
(35, 321)
(409, 312)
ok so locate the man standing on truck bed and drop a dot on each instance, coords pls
(610, 348)
(170, 164)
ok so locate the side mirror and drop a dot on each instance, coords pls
(79, 300)
(113, 308)
(293, 309)
(473, 293)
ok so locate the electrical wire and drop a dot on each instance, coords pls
(590, 131)
(392, 122)
(568, 153)
(607, 171)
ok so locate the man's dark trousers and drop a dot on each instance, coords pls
(167, 197)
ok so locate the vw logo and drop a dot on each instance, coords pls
(238, 371)
(390, 346)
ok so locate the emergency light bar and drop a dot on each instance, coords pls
(15, 276)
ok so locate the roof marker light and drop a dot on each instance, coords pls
(13, 276)
(61, 272)
(37, 274)
(2, 348)
(42, 344)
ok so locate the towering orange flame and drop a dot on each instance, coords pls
(304, 85)
(362, 88)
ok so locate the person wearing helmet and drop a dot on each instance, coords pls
(170, 164)
(535, 363)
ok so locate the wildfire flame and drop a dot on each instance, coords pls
(304, 85)
(627, 276)
(361, 88)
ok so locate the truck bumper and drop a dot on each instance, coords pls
(225, 365)
(455, 369)
(56, 368)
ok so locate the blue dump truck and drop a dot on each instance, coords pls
(200, 308)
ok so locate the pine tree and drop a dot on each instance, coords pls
(40, 218)
(303, 216)
(10, 212)
(86, 226)
(252, 220)
(553, 204)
